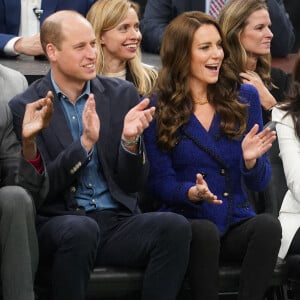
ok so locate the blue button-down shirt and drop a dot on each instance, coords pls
(92, 192)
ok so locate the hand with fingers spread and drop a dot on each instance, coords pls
(201, 192)
(90, 123)
(37, 117)
(136, 121)
(256, 144)
(266, 99)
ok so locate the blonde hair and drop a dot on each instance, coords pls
(232, 20)
(105, 15)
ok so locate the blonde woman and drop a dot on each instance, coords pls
(116, 24)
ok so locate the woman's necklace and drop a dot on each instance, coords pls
(200, 101)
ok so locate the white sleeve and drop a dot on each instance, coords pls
(289, 146)
(9, 48)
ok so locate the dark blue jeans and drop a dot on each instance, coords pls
(157, 242)
(68, 246)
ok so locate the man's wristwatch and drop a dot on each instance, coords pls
(131, 143)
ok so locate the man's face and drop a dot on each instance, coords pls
(75, 59)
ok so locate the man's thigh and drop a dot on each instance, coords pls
(129, 240)
(57, 232)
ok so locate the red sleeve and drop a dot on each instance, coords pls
(37, 163)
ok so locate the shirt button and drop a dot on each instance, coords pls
(225, 194)
(222, 171)
(72, 189)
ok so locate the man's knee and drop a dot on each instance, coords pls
(173, 227)
(15, 200)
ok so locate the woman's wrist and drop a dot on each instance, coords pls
(249, 164)
(271, 107)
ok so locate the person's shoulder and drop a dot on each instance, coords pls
(147, 66)
(248, 88)
(12, 82)
(278, 74)
(38, 89)
(6, 72)
(280, 116)
(277, 114)
(106, 80)
(248, 93)
(112, 83)
(150, 70)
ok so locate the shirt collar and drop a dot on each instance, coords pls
(85, 93)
